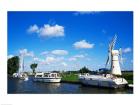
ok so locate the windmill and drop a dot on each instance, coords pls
(114, 58)
(21, 63)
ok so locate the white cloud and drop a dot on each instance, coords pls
(10, 56)
(50, 60)
(64, 64)
(33, 29)
(76, 57)
(44, 53)
(83, 45)
(72, 59)
(79, 56)
(123, 60)
(47, 30)
(36, 59)
(25, 52)
(127, 50)
(58, 59)
(51, 31)
(88, 59)
(99, 65)
(59, 52)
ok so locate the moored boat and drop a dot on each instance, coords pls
(47, 77)
(22, 76)
(108, 81)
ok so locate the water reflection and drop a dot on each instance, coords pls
(20, 86)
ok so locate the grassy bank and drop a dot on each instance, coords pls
(128, 76)
(73, 78)
(70, 77)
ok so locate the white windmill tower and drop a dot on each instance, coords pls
(114, 58)
(21, 73)
(21, 63)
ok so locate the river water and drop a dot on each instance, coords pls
(16, 86)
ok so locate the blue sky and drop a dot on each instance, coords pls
(69, 40)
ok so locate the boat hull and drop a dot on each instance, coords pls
(108, 83)
(49, 80)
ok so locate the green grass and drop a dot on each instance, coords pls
(130, 81)
(128, 76)
(70, 77)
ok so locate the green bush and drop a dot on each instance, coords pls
(13, 65)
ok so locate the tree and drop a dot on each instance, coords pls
(104, 71)
(33, 66)
(84, 70)
(13, 65)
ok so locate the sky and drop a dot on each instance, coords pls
(69, 40)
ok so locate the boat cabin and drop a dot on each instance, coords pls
(52, 75)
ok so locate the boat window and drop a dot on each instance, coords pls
(58, 75)
(39, 76)
(46, 75)
(52, 75)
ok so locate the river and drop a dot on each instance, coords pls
(17, 86)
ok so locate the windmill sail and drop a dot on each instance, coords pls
(113, 42)
(111, 47)
(107, 61)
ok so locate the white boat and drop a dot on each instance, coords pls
(47, 77)
(22, 76)
(107, 80)
(112, 80)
